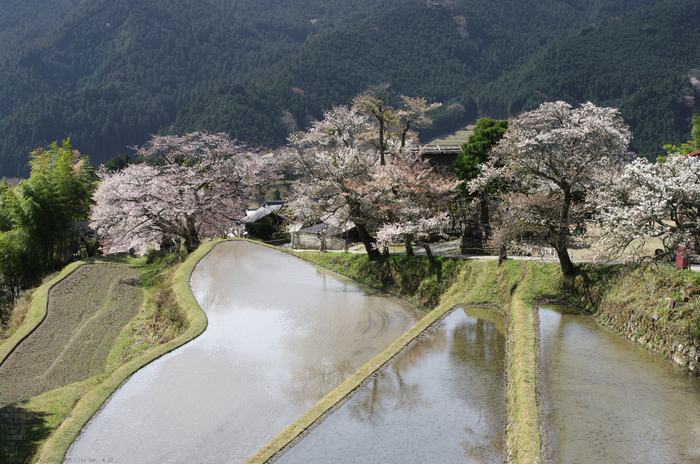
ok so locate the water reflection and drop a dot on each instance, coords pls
(281, 335)
(610, 400)
(443, 400)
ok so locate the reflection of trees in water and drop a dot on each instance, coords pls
(389, 390)
(479, 348)
(314, 382)
(480, 448)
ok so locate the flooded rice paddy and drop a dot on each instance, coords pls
(611, 401)
(441, 400)
(281, 335)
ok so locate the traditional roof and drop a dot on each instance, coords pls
(254, 215)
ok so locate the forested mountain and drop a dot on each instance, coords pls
(647, 63)
(109, 73)
(118, 70)
(23, 21)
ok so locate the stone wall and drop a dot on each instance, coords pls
(304, 241)
(666, 333)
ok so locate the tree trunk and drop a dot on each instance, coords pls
(368, 241)
(428, 252)
(381, 141)
(567, 266)
(409, 246)
(191, 237)
(562, 236)
(502, 253)
(484, 218)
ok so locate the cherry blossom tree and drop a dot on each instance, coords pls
(551, 158)
(392, 116)
(376, 103)
(414, 200)
(412, 114)
(645, 200)
(185, 188)
(348, 175)
(334, 165)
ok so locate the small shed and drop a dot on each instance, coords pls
(263, 222)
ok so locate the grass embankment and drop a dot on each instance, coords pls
(408, 278)
(43, 427)
(75, 338)
(513, 287)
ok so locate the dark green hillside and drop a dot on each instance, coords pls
(641, 63)
(23, 21)
(116, 71)
(391, 47)
(109, 73)
(444, 52)
(305, 16)
(236, 110)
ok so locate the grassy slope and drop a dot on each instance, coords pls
(49, 423)
(55, 448)
(36, 313)
(76, 337)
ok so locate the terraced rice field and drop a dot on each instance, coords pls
(86, 312)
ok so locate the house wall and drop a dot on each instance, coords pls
(304, 241)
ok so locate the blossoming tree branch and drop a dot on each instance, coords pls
(185, 188)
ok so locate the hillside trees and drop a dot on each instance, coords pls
(186, 188)
(551, 157)
(644, 63)
(40, 219)
(113, 71)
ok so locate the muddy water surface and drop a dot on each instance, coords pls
(281, 335)
(611, 401)
(443, 400)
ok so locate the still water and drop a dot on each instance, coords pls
(442, 401)
(611, 401)
(281, 335)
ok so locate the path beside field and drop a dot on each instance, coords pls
(86, 312)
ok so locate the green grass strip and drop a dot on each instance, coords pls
(347, 387)
(57, 445)
(523, 440)
(37, 312)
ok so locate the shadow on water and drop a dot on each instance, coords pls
(21, 432)
(442, 400)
